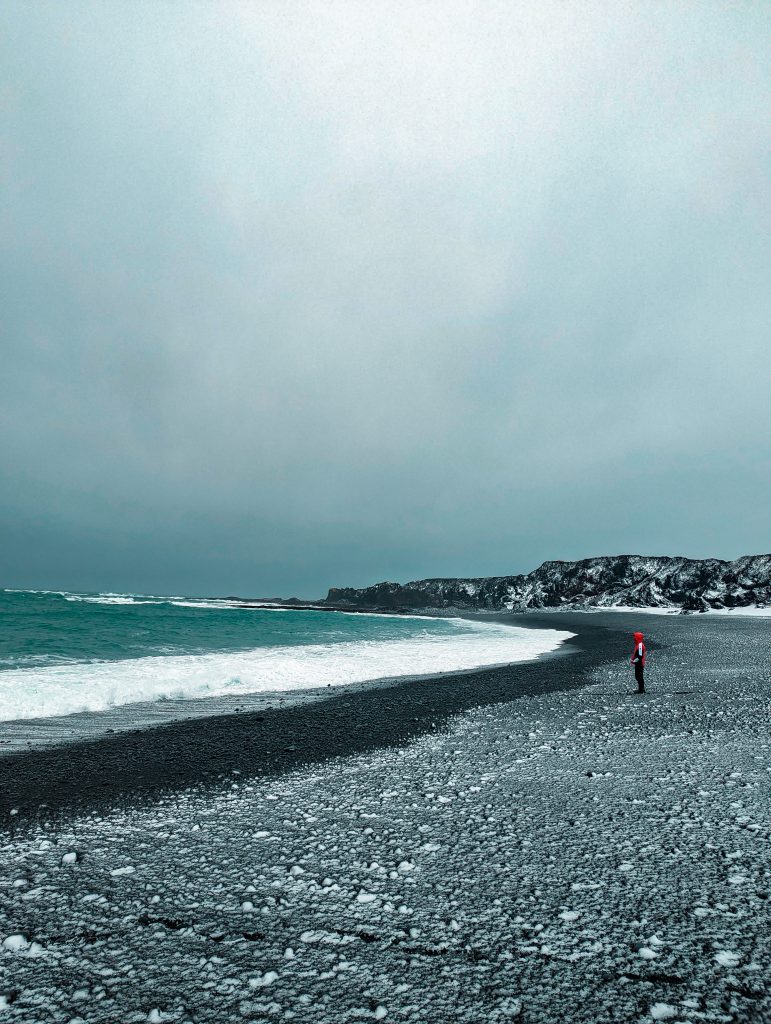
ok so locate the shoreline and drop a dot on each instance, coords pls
(554, 847)
(21, 734)
(117, 758)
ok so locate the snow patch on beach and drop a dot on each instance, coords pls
(95, 686)
(750, 610)
(670, 610)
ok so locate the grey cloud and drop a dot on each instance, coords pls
(309, 294)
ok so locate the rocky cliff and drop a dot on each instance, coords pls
(638, 581)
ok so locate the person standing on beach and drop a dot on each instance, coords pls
(638, 660)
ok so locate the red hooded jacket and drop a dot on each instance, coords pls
(638, 654)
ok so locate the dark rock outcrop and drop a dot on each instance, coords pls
(637, 581)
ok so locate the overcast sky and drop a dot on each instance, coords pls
(306, 294)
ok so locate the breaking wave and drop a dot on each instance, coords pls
(61, 689)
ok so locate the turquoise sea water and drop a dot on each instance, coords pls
(64, 652)
(46, 628)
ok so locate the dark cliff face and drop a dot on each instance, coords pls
(610, 581)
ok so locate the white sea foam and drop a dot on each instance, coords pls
(55, 593)
(212, 603)
(215, 603)
(94, 686)
(179, 602)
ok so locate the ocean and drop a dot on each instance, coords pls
(62, 652)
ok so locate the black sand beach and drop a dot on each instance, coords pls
(535, 843)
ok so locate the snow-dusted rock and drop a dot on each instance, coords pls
(609, 581)
(663, 1011)
(268, 978)
(727, 958)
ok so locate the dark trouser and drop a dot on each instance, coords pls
(638, 674)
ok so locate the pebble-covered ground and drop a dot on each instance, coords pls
(583, 856)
